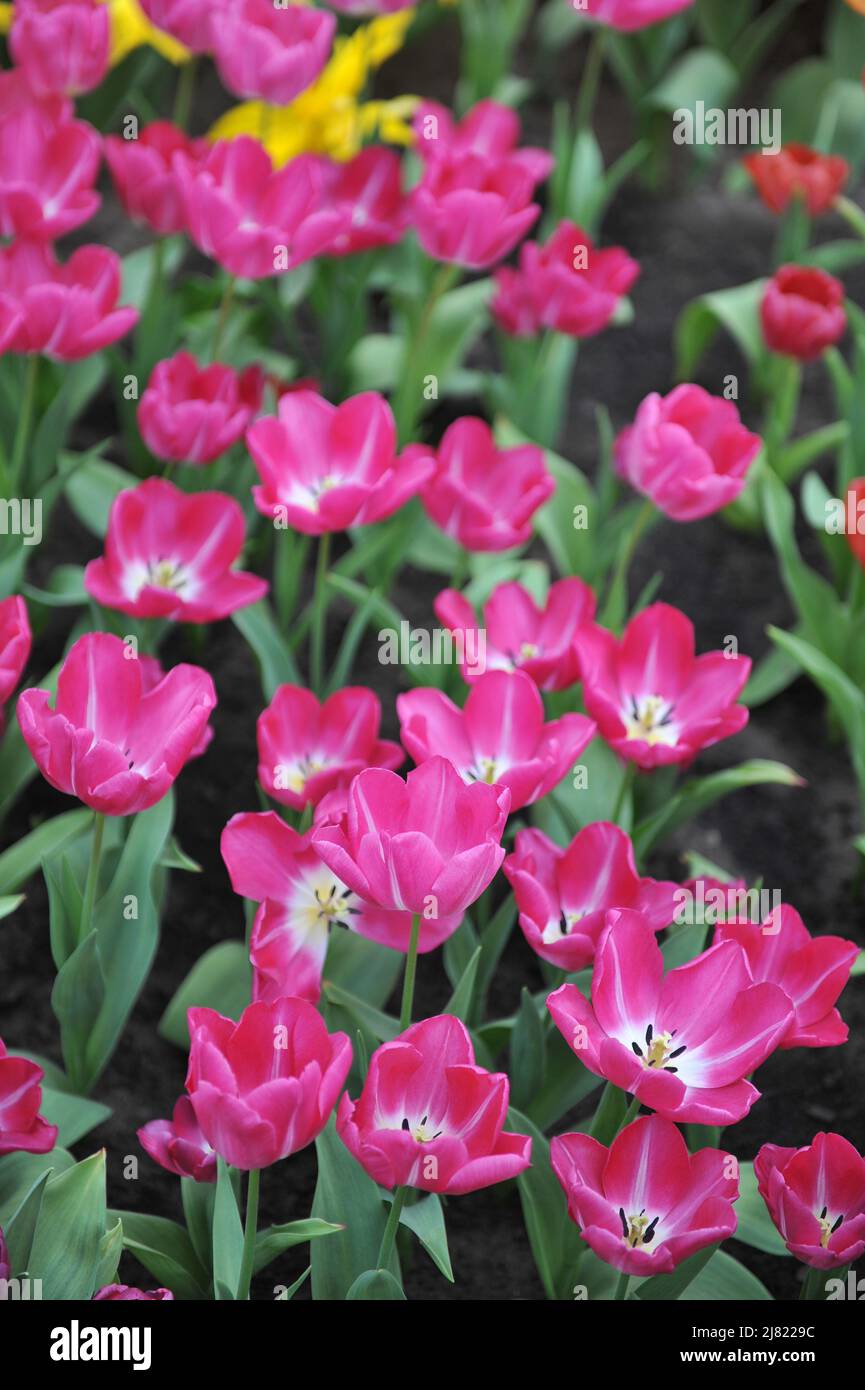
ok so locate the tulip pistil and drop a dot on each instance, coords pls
(334, 907)
(165, 574)
(637, 1230)
(827, 1227)
(649, 719)
(659, 1051)
(419, 1132)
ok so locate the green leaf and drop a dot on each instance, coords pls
(736, 310)
(365, 968)
(668, 1287)
(346, 1195)
(10, 904)
(18, 1173)
(21, 861)
(20, 1229)
(65, 1253)
(756, 1226)
(166, 1251)
(257, 625)
(272, 1241)
(460, 1002)
(110, 1250)
(700, 75)
(566, 1082)
(724, 1279)
(198, 1199)
(227, 1236)
(92, 489)
(375, 1285)
(769, 677)
(821, 614)
(555, 1240)
(527, 1053)
(701, 792)
(220, 979)
(382, 1027)
(426, 1219)
(74, 1116)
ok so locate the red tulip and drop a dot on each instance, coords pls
(797, 171)
(802, 312)
(144, 174)
(194, 414)
(645, 1204)
(564, 895)
(264, 1087)
(428, 845)
(520, 636)
(499, 738)
(816, 1198)
(169, 554)
(654, 701)
(107, 742)
(272, 52)
(483, 496)
(682, 1042)
(567, 285)
(811, 970)
(429, 1117)
(325, 467)
(65, 312)
(688, 451)
(306, 748)
(22, 1128)
(48, 168)
(179, 1145)
(62, 47)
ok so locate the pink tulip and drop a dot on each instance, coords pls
(125, 1293)
(22, 1128)
(306, 748)
(520, 636)
(489, 131)
(246, 215)
(628, 15)
(144, 174)
(428, 845)
(654, 701)
(370, 7)
(564, 895)
(811, 970)
(567, 285)
(65, 312)
(272, 52)
(62, 47)
(179, 1145)
(326, 467)
(499, 738)
(194, 414)
(682, 1042)
(188, 21)
(645, 1204)
(47, 172)
(169, 554)
(15, 643)
(688, 451)
(816, 1198)
(264, 1087)
(301, 899)
(361, 205)
(429, 1117)
(105, 741)
(151, 674)
(483, 496)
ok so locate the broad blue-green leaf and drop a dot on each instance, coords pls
(164, 1248)
(756, 1226)
(701, 792)
(277, 665)
(426, 1219)
(21, 860)
(227, 1236)
(555, 1240)
(221, 979)
(375, 1285)
(271, 1242)
(92, 489)
(74, 1116)
(72, 1221)
(460, 1002)
(527, 1053)
(345, 1194)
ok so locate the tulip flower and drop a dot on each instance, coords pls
(107, 742)
(327, 467)
(270, 51)
(65, 312)
(169, 554)
(564, 895)
(361, 202)
(682, 1043)
(471, 211)
(179, 1145)
(15, 643)
(22, 1128)
(48, 170)
(246, 215)
(300, 900)
(811, 970)
(645, 1204)
(427, 845)
(264, 1087)
(499, 738)
(62, 47)
(144, 174)
(567, 285)
(488, 131)
(366, 7)
(188, 21)
(306, 748)
(629, 15)
(688, 452)
(429, 1117)
(519, 635)
(802, 312)
(654, 701)
(125, 1293)
(483, 496)
(152, 673)
(193, 414)
(797, 171)
(816, 1198)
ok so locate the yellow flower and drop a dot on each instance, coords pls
(329, 118)
(857, 5)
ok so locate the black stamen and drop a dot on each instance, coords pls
(563, 925)
(405, 1124)
(649, 1233)
(837, 1224)
(673, 1069)
(823, 1214)
(623, 1221)
(637, 1049)
(679, 1050)
(649, 1032)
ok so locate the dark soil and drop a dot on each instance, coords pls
(689, 241)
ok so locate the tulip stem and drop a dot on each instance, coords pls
(625, 787)
(622, 1287)
(25, 418)
(319, 616)
(406, 404)
(86, 922)
(410, 972)
(222, 320)
(249, 1234)
(390, 1230)
(618, 590)
(814, 1286)
(184, 93)
(591, 80)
